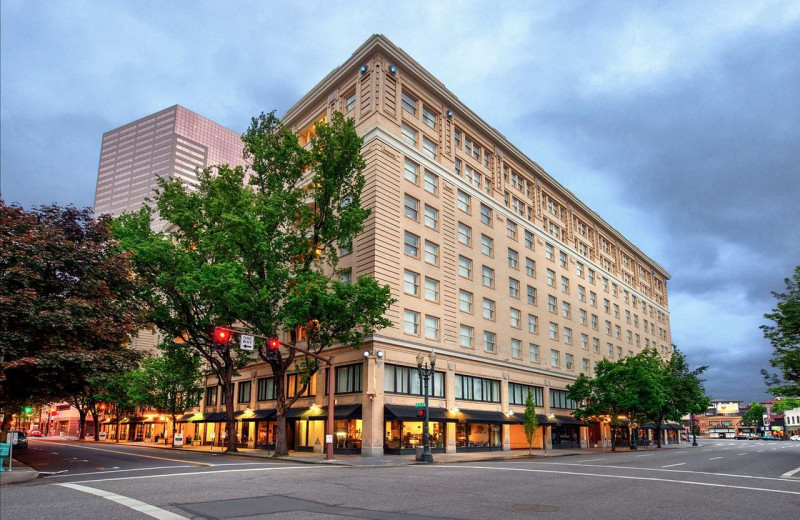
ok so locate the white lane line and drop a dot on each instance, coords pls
(790, 473)
(715, 458)
(627, 477)
(206, 472)
(140, 455)
(150, 510)
(741, 453)
(647, 455)
(115, 471)
(750, 477)
(590, 460)
(673, 465)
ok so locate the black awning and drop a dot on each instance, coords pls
(483, 416)
(215, 417)
(191, 417)
(559, 420)
(255, 415)
(409, 413)
(676, 427)
(137, 419)
(344, 411)
(650, 426)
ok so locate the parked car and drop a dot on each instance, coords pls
(769, 438)
(742, 437)
(34, 433)
(794, 438)
(22, 441)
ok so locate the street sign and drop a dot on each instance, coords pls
(246, 342)
(420, 405)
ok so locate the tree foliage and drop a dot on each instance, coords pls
(262, 255)
(67, 301)
(784, 336)
(785, 404)
(754, 416)
(530, 421)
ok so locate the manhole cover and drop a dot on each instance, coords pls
(536, 508)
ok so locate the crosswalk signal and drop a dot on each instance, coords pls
(421, 413)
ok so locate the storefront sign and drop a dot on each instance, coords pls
(723, 408)
(178, 439)
(328, 439)
(103, 436)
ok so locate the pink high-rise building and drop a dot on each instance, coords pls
(171, 143)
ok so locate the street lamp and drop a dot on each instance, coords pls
(694, 432)
(425, 374)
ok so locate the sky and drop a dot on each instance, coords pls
(678, 122)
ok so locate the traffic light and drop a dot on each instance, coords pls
(27, 410)
(221, 337)
(272, 348)
(421, 414)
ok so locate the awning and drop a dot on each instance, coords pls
(191, 417)
(409, 413)
(559, 420)
(483, 416)
(254, 415)
(345, 411)
(137, 419)
(216, 417)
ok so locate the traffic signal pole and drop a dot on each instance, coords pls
(331, 381)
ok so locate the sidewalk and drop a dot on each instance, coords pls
(19, 473)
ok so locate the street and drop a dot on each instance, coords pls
(719, 479)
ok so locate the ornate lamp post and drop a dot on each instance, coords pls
(425, 374)
(694, 432)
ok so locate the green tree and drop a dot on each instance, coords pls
(784, 336)
(530, 422)
(66, 300)
(114, 390)
(784, 404)
(754, 416)
(264, 256)
(170, 382)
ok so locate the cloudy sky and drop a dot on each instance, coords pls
(678, 122)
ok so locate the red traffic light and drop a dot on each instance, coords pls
(221, 335)
(420, 413)
(273, 344)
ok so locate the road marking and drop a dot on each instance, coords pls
(715, 458)
(150, 510)
(790, 473)
(647, 455)
(673, 465)
(742, 454)
(140, 455)
(627, 477)
(104, 472)
(211, 472)
(751, 477)
(590, 460)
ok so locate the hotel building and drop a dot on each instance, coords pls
(513, 281)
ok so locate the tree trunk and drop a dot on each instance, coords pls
(281, 449)
(230, 424)
(173, 432)
(81, 424)
(95, 422)
(658, 434)
(116, 435)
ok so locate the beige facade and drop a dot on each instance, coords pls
(495, 266)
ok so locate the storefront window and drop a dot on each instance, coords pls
(409, 434)
(347, 433)
(405, 380)
(478, 435)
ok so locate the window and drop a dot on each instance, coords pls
(428, 117)
(465, 336)
(610, 350)
(562, 259)
(564, 285)
(409, 136)
(348, 379)
(565, 309)
(518, 394)
(548, 251)
(487, 244)
(582, 293)
(431, 253)
(405, 380)
(596, 345)
(464, 234)
(558, 399)
(487, 276)
(568, 335)
(471, 148)
(592, 299)
(411, 283)
(591, 275)
(514, 317)
(608, 327)
(584, 342)
(528, 239)
(513, 288)
(582, 316)
(488, 309)
(431, 327)
(431, 289)
(409, 104)
(579, 269)
(513, 258)
(464, 201)
(619, 352)
(594, 321)
(411, 207)
(555, 357)
(244, 391)
(568, 360)
(465, 300)
(477, 389)
(350, 102)
(533, 350)
(530, 267)
(585, 368)
(551, 278)
(511, 229)
(411, 172)
(553, 331)
(531, 295)
(411, 322)
(533, 324)
(346, 275)
(211, 396)
(265, 389)
(431, 183)
(458, 167)
(606, 305)
(486, 214)
(617, 333)
(464, 267)
(411, 244)
(516, 348)
(551, 303)
(431, 217)
(473, 177)
(428, 149)
(489, 341)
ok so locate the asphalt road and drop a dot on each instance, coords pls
(721, 479)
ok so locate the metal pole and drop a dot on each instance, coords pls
(331, 404)
(694, 432)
